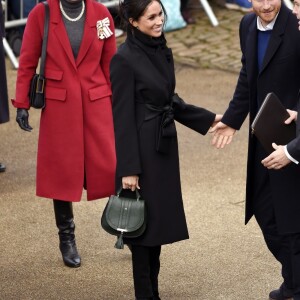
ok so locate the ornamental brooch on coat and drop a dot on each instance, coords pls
(103, 30)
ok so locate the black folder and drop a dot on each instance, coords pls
(268, 125)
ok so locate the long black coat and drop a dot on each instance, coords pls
(4, 113)
(280, 73)
(143, 82)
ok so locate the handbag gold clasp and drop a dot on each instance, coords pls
(40, 85)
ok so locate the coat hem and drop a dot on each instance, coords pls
(131, 242)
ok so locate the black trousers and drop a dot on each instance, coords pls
(145, 267)
(285, 248)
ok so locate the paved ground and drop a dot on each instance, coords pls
(222, 260)
(207, 46)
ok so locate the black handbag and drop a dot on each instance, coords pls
(37, 85)
(124, 217)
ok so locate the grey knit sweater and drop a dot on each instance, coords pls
(74, 29)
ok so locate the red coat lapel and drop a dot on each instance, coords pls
(59, 30)
(90, 32)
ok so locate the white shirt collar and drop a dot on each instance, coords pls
(268, 27)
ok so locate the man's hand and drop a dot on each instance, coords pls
(222, 135)
(277, 159)
(22, 119)
(293, 116)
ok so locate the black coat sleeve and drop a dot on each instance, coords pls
(293, 147)
(196, 118)
(126, 134)
(238, 108)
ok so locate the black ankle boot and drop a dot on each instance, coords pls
(63, 211)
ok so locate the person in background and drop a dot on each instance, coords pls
(16, 11)
(242, 5)
(144, 109)
(270, 44)
(186, 13)
(14, 8)
(76, 146)
(4, 109)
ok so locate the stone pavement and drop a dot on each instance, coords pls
(202, 45)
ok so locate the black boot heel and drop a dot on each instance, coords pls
(70, 254)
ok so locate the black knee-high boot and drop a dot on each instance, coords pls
(63, 211)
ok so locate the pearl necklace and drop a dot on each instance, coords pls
(67, 17)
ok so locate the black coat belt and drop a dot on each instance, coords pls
(166, 129)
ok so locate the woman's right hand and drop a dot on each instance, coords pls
(22, 119)
(130, 182)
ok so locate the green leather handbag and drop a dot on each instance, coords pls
(124, 217)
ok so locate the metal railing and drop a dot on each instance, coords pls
(21, 21)
(110, 3)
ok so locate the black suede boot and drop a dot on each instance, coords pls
(154, 270)
(156, 296)
(141, 272)
(63, 211)
(283, 293)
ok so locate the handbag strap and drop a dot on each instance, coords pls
(45, 39)
(138, 196)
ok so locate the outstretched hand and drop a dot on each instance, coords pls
(222, 135)
(277, 159)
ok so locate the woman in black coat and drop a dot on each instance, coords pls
(4, 113)
(144, 109)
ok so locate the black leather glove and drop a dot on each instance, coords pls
(22, 119)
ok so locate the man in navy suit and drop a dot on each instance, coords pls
(270, 44)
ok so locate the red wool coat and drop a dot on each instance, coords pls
(76, 141)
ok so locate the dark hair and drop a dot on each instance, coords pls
(134, 9)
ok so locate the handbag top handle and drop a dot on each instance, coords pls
(138, 196)
(45, 39)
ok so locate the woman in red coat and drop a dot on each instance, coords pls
(76, 139)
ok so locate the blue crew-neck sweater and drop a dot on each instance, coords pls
(262, 45)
